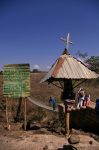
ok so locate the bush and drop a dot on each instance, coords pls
(2, 106)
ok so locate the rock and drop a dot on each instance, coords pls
(63, 131)
(74, 139)
(90, 142)
(73, 131)
(43, 131)
(45, 147)
(35, 126)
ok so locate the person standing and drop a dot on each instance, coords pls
(80, 98)
(52, 101)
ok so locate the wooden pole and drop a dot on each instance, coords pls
(7, 120)
(67, 120)
(25, 122)
(17, 118)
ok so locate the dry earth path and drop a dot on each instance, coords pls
(27, 140)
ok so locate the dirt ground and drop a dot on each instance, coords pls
(15, 139)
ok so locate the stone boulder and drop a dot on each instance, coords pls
(74, 139)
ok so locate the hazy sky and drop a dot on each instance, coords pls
(30, 30)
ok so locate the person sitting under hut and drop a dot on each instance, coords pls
(86, 100)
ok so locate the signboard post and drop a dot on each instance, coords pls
(7, 120)
(16, 84)
(25, 114)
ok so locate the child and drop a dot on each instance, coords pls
(86, 99)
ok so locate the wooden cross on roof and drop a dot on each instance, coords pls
(67, 40)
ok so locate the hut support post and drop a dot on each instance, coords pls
(67, 121)
(67, 94)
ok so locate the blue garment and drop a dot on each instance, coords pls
(97, 105)
(53, 102)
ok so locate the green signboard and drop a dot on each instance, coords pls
(16, 80)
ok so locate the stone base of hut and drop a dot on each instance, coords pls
(85, 119)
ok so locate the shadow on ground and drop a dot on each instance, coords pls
(68, 147)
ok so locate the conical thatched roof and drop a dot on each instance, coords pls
(68, 67)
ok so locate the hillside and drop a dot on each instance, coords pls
(40, 139)
(42, 91)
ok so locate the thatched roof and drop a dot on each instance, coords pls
(68, 67)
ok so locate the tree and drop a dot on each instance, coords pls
(1, 72)
(83, 55)
(93, 62)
